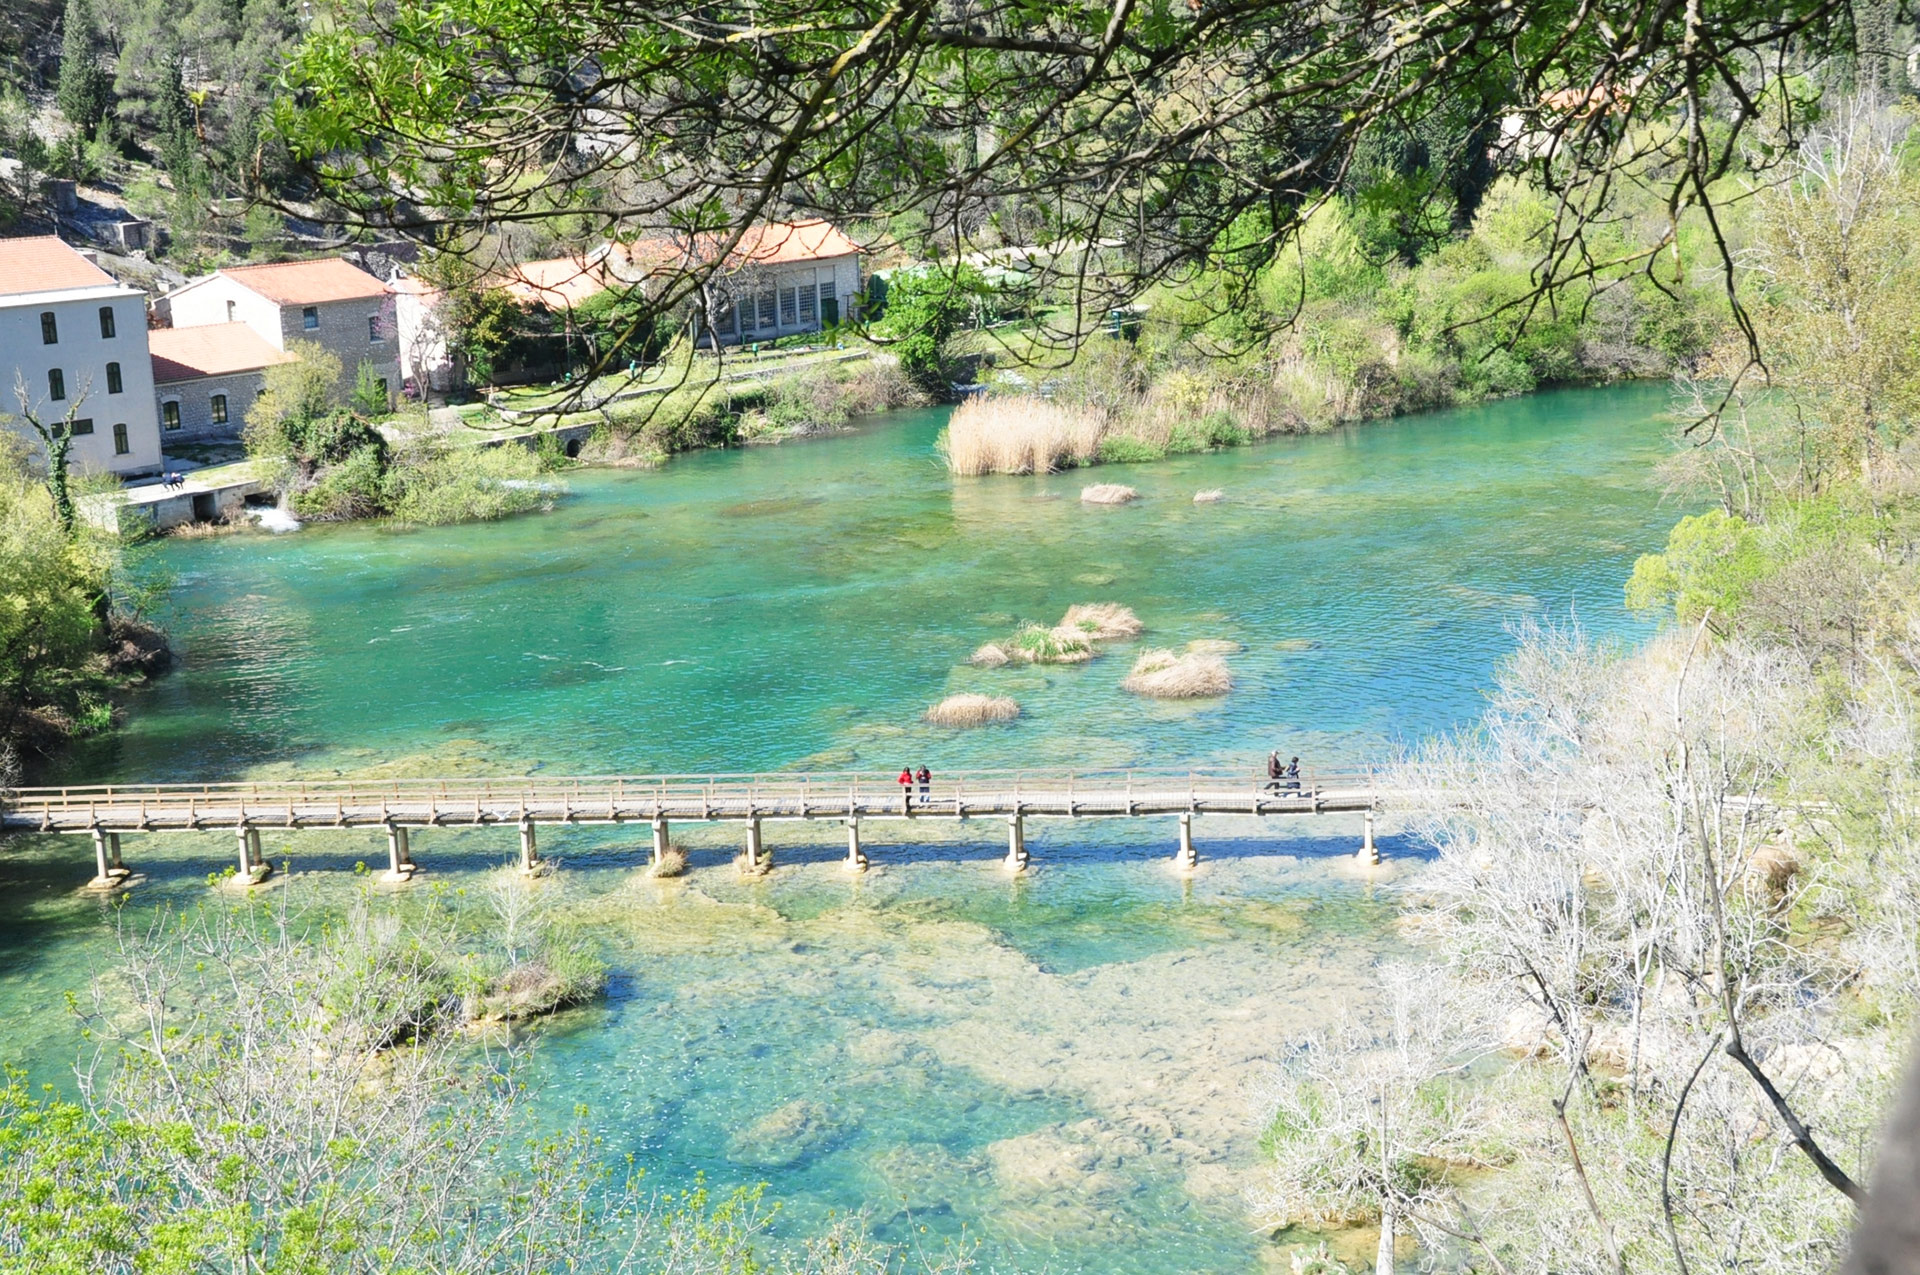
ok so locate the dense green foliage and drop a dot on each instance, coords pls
(924, 307)
(66, 641)
(333, 462)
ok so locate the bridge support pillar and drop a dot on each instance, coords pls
(856, 857)
(529, 849)
(755, 846)
(659, 840)
(1016, 844)
(1185, 858)
(400, 864)
(253, 863)
(108, 872)
(1368, 852)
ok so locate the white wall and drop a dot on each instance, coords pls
(82, 355)
(205, 302)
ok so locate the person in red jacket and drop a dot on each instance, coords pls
(906, 787)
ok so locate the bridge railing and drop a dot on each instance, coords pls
(628, 791)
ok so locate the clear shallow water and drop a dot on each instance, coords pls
(1053, 1067)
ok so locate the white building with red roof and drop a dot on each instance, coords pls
(73, 348)
(328, 302)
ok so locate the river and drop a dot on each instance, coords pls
(1051, 1070)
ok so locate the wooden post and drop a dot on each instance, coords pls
(1186, 859)
(660, 839)
(529, 848)
(856, 860)
(753, 845)
(1368, 853)
(1016, 860)
(245, 836)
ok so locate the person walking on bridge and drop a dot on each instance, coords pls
(906, 789)
(1293, 774)
(926, 782)
(1275, 771)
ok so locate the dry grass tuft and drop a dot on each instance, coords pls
(1101, 621)
(1020, 435)
(760, 869)
(1213, 646)
(991, 655)
(1210, 496)
(1164, 675)
(1107, 494)
(672, 864)
(972, 710)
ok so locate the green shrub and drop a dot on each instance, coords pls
(1220, 429)
(1124, 449)
(434, 485)
(355, 487)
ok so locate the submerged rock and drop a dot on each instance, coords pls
(784, 1136)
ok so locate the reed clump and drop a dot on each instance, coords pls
(1107, 494)
(990, 655)
(1101, 621)
(1020, 434)
(967, 710)
(673, 863)
(1211, 495)
(1038, 644)
(1162, 674)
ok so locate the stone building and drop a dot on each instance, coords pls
(328, 302)
(73, 342)
(206, 378)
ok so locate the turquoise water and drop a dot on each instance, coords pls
(1052, 1068)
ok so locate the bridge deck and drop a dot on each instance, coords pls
(374, 803)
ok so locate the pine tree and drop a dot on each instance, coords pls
(86, 92)
(173, 118)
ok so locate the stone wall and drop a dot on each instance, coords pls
(195, 398)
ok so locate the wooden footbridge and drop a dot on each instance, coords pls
(244, 810)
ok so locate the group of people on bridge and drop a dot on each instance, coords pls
(1282, 775)
(908, 778)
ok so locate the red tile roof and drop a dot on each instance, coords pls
(43, 263)
(308, 282)
(558, 282)
(563, 282)
(211, 349)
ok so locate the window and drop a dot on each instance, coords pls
(789, 307)
(310, 317)
(373, 327)
(106, 323)
(49, 329)
(114, 384)
(808, 292)
(230, 309)
(217, 409)
(82, 426)
(170, 414)
(766, 308)
(120, 445)
(56, 384)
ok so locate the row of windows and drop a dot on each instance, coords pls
(782, 307)
(50, 326)
(57, 382)
(121, 444)
(216, 411)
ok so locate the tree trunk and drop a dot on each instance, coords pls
(1383, 1257)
